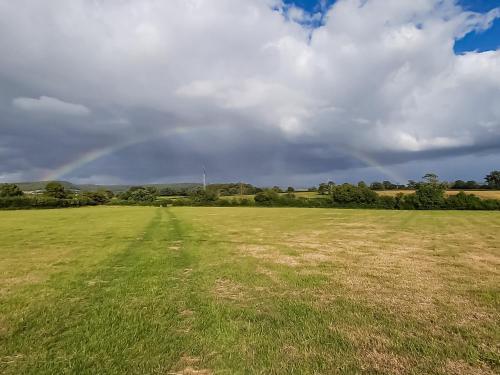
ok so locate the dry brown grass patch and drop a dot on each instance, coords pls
(191, 371)
(9, 284)
(386, 362)
(269, 253)
(463, 368)
(266, 271)
(228, 289)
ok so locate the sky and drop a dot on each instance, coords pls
(261, 91)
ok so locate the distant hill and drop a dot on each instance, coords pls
(40, 185)
(120, 188)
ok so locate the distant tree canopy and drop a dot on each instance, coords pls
(412, 184)
(201, 196)
(347, 193)
(430, 178)
(326, 188)
(465, 185)
(277, 189)
(362, 184)
(267, 197)
(233, 189)
(377, 186)
(55, 190)
(180, 191)
(10, 190)
(493, 179)
(100, 197)
(139, 194)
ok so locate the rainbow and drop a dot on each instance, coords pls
(92, 155)
(95, 154)
(80, 161)
(365, 159)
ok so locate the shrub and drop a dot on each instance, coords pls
(430, 196)
(387, 202)
(10, 190)
(463, 201)
(266, 198)
(55, 189)
(347, 194)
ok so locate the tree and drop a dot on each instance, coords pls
(167, 191)
(277, 189)
(153, 191)
(331, 185)
(471, 185)
(290, 189)
(10, 190)
(459, 184)
(201, 196)
(388, 185)
(362, 184)
(99, 197)
(377, 186)
(430, 178)
(141, 195)
(326, 188)
(350, 194)
(412, 184)
(493, 179)
(56, 190)
(266, 197)
(323, 189)
(430, 194)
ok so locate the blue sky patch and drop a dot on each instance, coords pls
(475, 41)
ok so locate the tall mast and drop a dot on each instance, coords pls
(204, 179)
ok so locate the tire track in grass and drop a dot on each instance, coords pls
(128, 316)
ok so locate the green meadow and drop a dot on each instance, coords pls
(194, 290)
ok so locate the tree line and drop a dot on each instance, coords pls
(429, 193)
(492, 181)
(55, 195)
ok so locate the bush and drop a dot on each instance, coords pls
(266, 198)
(463, 201)
(25, 202)
(430, 196)
(204, 197)
(387, 202)
(99, 197)
(55, 189)
(10, 190)
(347, 194)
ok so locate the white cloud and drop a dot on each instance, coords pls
(50, 105)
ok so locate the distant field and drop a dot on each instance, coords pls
(192, 290)
(484, 194)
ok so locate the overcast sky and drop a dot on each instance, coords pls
(99, 91)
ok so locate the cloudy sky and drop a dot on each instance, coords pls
(265, 91)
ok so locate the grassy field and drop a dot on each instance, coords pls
(185, 290)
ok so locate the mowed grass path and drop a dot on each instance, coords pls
(114, 290)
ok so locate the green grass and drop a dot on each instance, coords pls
(141, 290)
